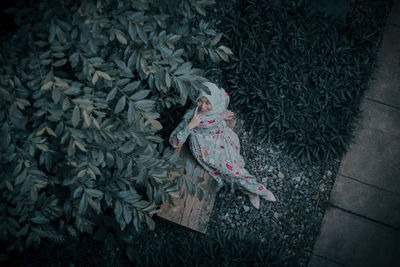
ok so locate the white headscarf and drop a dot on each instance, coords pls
(218, 102)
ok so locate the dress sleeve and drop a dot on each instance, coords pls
(180, 134)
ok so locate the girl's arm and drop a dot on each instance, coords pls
(180, 134)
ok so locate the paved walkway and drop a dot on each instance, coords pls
(362, 225)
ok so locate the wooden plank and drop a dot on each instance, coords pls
(190, 211)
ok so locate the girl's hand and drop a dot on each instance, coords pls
(229, 115)
(195, 121)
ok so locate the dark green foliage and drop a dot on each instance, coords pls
(82, 93)
(169, 247)
(228, 249)
(296, 78)
(336, 9)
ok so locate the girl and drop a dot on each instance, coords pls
(215, 146)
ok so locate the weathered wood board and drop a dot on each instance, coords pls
(190, 211)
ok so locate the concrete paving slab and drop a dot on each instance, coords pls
(357, 242)
(394, 17)
(374, 159)
(317, 261)
(379, 116)
(385, 86)
(366, 200)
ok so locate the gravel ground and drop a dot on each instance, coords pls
(302, 192)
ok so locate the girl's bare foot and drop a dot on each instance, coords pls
(255, 200)
(269, 196)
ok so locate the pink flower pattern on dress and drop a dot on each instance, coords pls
(229, 167)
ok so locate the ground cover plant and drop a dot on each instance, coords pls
(298, 77)
(224, 249)
(172, 248)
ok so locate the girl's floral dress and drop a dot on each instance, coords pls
(215, 146)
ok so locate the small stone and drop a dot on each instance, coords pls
(329, 173)
(246, 208)
(264, 180)
(276, 215)
(297, 179)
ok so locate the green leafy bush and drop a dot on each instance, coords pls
(82, 90)
(297, 79)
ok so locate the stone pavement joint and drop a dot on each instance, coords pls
(382, 103)
(373, 158)
(366, 201)
(364, 217)
(372, 185)
(319, 261)
(355, 241)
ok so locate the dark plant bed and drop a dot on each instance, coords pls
(170, 245)
(84, 251)
(298, 76)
